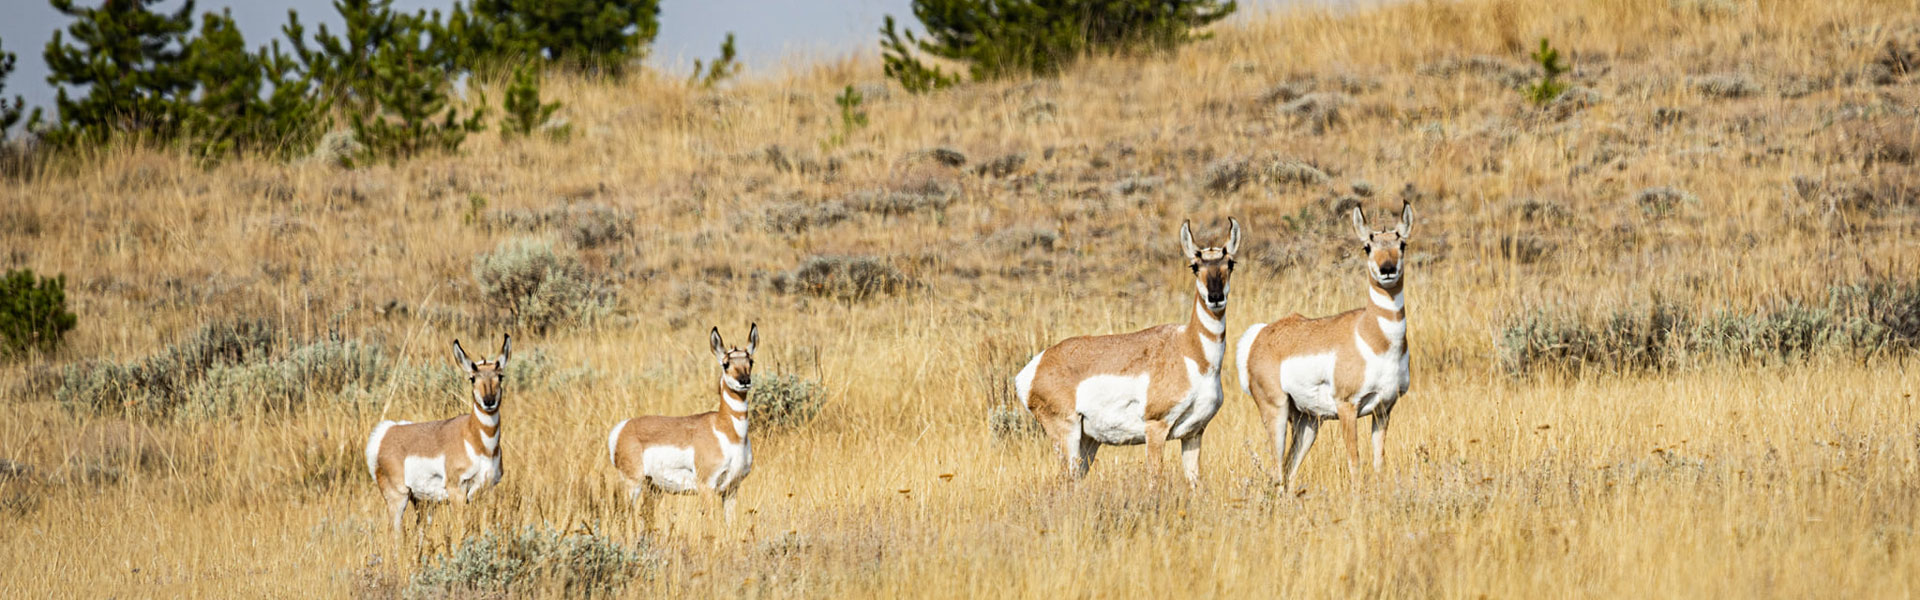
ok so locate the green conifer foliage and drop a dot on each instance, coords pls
(133, 64)
(998, 38)
(233, 109)
(604, 36)
(9, 112)
(391, 74)
(525, 112)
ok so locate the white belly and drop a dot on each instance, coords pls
(1113, 408)
(670, 468)
(1308, 380)
(426, 477)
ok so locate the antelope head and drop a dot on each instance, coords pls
(1385, 250)
(1212, 266)
(736, 364)
(486, 375)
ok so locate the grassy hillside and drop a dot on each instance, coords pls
(1718, 160)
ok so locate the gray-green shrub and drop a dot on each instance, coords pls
(843, 277)
(786, 401)
(1865, 318)
(541, 288)
(532, 559)
(315, 370)
(157, 385)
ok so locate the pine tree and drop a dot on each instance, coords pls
(132, 62)
(410, 84)
(9, 112)
(391, 74)
(525, 112)
(230, 111)
(998, 38)
(589, 35)
(719, 70)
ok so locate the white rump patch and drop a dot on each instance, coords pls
(1113, 408)
(670, 468)
(373, 446)
(613, 443)
(1023, 383)
(1241, 352)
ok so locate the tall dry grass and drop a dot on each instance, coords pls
(1716, 479)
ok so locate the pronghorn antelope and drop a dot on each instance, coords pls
(1149, 386)
(1346, 366)
(451, 459)
(707, 453)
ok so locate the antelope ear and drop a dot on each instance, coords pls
(460, 356)
(1186, 240)
(1406, 220)
(1360, 226)
(719, 347)
(506, 350)
(753, 337)
(1233, 236)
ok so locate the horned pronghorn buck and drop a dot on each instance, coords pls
(706, 454)
(453, 459)
(1345, 366)
(1153, 385)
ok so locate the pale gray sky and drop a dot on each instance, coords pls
(767, 31)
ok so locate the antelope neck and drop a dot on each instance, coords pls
(1388, 306)
(733, 407)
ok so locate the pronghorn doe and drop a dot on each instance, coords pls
(1149, 386)
(1345, 366)
(451, 459)
(707, 453)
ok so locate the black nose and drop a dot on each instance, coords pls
(1389, 268)
(1216, 297)
(746, 380)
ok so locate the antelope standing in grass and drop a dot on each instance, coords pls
(707, 453)
(1153, 385)
(454, 459)
(1345, 366)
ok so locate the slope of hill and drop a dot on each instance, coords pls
(1718, 160)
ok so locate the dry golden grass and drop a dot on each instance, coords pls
(1718, 480)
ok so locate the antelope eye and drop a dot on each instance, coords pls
(1194, 268)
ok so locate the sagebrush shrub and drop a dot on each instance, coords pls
(154, 387)
(540, 288)
(1866, 318)
(843, 277)
(784, 401)
(319, 369)
(33, 313)
(523, 561)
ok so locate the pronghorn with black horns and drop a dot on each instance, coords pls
(1150, 386)
(707, 453)
(1345, 366)
(453, 459)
